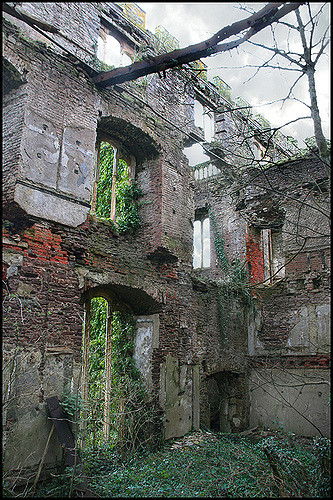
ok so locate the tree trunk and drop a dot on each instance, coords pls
(310, 70)
(318, 131)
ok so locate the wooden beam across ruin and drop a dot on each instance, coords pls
(272, 12)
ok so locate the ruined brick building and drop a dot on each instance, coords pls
(212, 353)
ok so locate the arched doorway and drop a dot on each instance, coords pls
(114, 365)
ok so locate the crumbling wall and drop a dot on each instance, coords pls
(289, 341)
(221, 310)
(57, 254)
(284, 328)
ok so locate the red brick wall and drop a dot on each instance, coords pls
(291, 362)
(314, 261)
(254, 255)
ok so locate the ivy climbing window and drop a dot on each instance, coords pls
(115, 194)
(109, 373)
(201, 241)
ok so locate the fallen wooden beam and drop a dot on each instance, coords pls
(159, 64)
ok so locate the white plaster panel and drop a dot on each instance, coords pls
(40, 150)
(295, 400)
(299, 333)
(143, 348)
(49, 206)
(323, 315)
(77, 162)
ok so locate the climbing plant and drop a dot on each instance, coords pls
(97, 337)
(127, 195)
(235, 282)
(131, 412)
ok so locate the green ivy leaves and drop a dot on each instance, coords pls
(127, 195)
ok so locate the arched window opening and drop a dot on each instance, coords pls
(96, 370)
(112, 390)
(115, 193)
(110, 51)
(201, 241)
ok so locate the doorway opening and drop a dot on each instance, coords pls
(113, 391)
(226, 401)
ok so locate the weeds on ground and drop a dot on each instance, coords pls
(230, 466)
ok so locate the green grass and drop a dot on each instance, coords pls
(230, 466)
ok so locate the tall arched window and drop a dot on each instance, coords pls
(114, 175)
(201, 241)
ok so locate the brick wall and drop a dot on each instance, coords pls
(254, 255)
(57, 255)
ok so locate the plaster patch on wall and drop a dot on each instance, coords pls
(299, 333)
(48, 206)
(255, 324)
(146, 339)
(40, 150)
(304, 393)
(179, 394)
(323, 316)
(77, 162)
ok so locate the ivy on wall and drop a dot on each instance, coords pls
(235, 284)
(131, 412)
(127, 195)
(96, 396)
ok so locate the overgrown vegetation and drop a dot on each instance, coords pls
(132, 415)
(97, 336)
(214, 465)
(127, 194)
(235, 282)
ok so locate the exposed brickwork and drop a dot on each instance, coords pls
(57, 255)
(312, 261)
(291, 362)
(254, 254)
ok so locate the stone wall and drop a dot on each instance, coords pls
(285, 332)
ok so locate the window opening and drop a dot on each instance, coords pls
(115, 193)
(201, 242)
(204, 119)
(110, 51)
(109, 372)
(96, 368)
(273, 259)
(195, 155)
(258, 150)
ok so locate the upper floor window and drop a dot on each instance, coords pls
(273, 257)
(201, 242)
(265, 254)
(204, 118)
(110, 50)
(114, 178)
(258, 151)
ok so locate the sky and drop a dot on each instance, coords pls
(192, 23)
